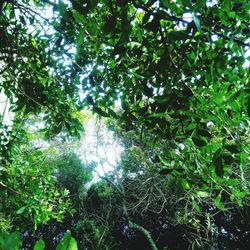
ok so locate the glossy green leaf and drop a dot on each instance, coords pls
(21, 210)
(218, 203)
(40, 245)
(197, 22)
(67, 243)
(203, 194)
(185, 184)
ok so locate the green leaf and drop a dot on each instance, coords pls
(159, 115)
(164, 161)
(203, 132)
(219, 166)
(192, 126)
(21, 210)
(72, 244)
(22, 19)
(239, 194)
(248, 106)
(197, 22)
(166, 171)
(63, 245)
(199, 141)
(176, 8)
(185, 184)
(218, 203)
(78, 17)
(202, 194)
(232, 14)
(195, 205)
(100, 112)
(40, 245)
(233, 148)
(62, 7)
(233, 97)
(67, 243)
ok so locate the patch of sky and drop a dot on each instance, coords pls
(247, 56)
(214, 38)
(6, 115)
(100, 146)
(211, 3)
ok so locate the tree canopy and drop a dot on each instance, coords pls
(171, 78)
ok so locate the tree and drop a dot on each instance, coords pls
(32, 87)
(30, 66)
(184, 80)
(174, 74)
(72, 175)
(29, 196)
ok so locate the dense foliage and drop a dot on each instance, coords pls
(171, 79)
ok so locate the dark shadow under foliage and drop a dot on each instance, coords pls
(232, 233)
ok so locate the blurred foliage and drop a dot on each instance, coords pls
(10, 241)
(13, 241)
(71, 173)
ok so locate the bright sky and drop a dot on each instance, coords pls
(4, 109)
(99, 145)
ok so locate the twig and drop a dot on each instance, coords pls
(13, 190)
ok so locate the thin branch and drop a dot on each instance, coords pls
(145, 232)
(12, 190)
